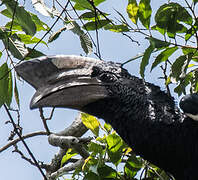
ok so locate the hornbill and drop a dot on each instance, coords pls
(143, 115)
(189, 105)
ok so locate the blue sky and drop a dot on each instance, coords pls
(113, 47)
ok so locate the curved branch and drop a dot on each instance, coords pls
(65, 169)
(13, 142)
(77, 129)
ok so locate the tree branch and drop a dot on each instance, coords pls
(45, 119)
(76, 129)
(13, 142)
(65, 169)
(24, 143)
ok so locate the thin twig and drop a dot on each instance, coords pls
(164, 69)
(83, 25)
(136, 57)
(44, 120)
(134, 41)
(15, 141)
(24, 143)
(22, 155)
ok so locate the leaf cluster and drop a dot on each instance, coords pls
(173, 39)
(110, 157)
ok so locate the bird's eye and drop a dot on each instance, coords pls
(95, 71)
(107, 77)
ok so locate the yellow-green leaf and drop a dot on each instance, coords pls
(145, 12)
(132, 10)
(91, 123)
(107, 127)
(168, 81)
(191, 65)
(69, 154)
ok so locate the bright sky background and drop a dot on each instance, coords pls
(113, 47)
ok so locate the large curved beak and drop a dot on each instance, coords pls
(62, 81)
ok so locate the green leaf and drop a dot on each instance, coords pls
(145, 59)
(107, 172)
(69, 154)
(135, 161)
(86, 43)
(179, 67)
(92, 16)
(0, 54)
(97, 2)
(89, 16)
(170, 15)
(5, 85)
(3, 33)
(84, 4)
(16, 93)
(191, 51)
(132, 166)
(191, 32)
(91, 176)
(194, 81)
(95, 148)
(107, 127)
(114, 142)
(144, 12)
(6, 13)
(15, 46)
(159, 44)
(40, 25)
(21, 16)
(183, 84)
(27, 39)
(163, 56)
(116, 28)
(195, 1)
(91, 26)
(115, 145)
(10, 89)
(160, 30)
(15, 26)
(91, 123)
(132, 10)
(33, 53)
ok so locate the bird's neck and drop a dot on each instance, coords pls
(135, 107)
(146, 118)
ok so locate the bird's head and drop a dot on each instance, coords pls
(70, 81)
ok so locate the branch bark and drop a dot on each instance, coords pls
(76, 129)
(65, 169)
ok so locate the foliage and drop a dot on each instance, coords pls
(110, 157)
(172, 35)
